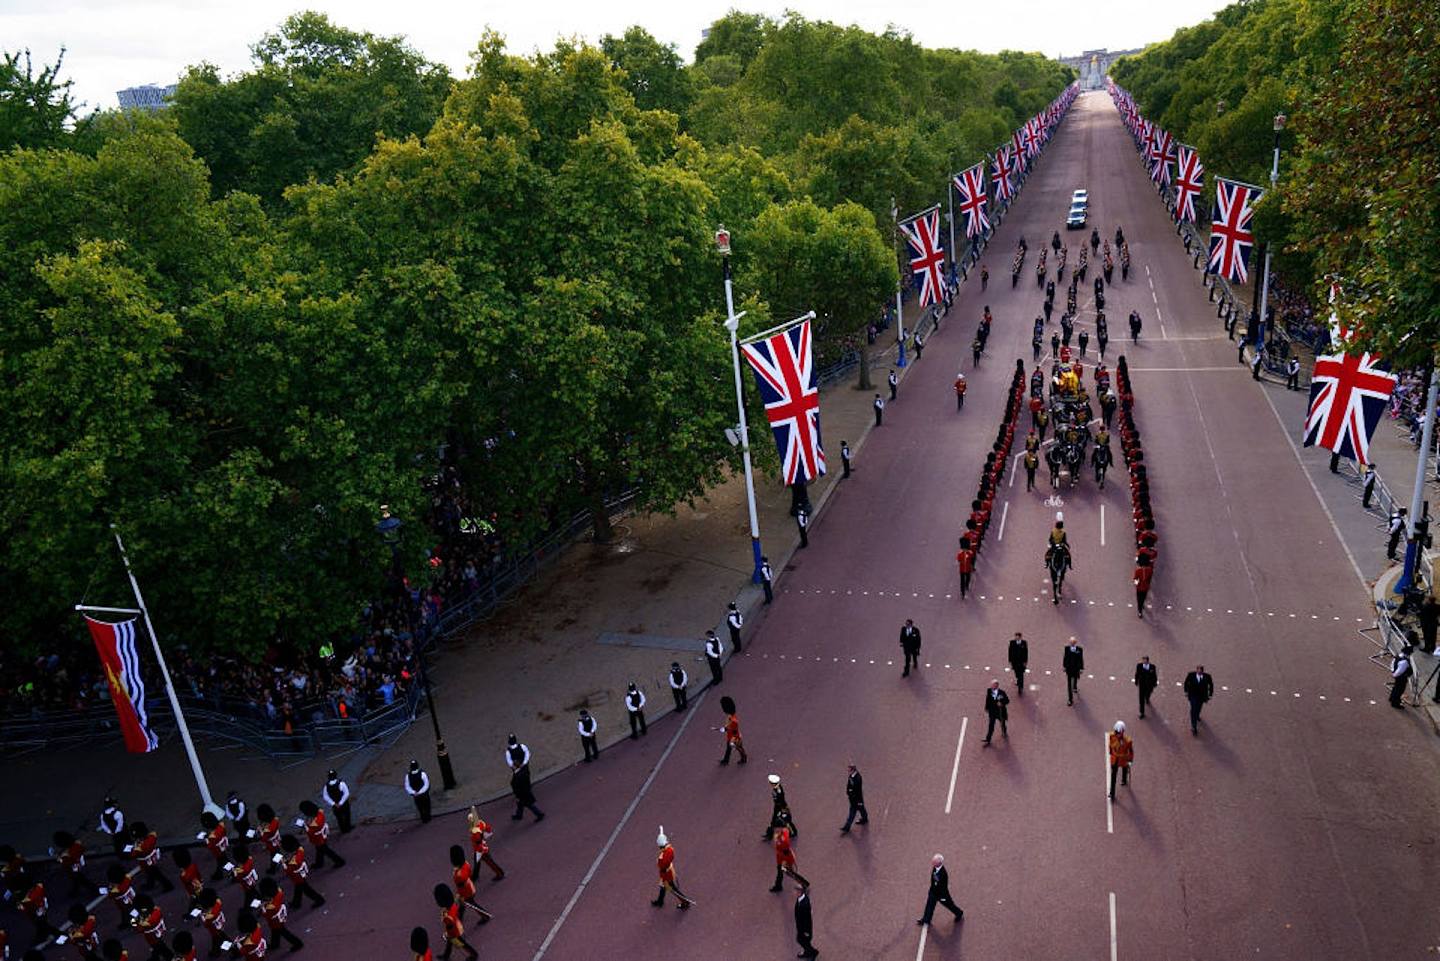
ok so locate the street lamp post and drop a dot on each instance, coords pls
(1265, 281)
(899, 287)
(388, 527)
(732, 324)
(1418, 526)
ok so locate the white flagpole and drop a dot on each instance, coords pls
(899, 282)
(1413, 549)
(207, 801)
(950, 203)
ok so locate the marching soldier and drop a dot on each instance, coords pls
(251, 943)
(734, 620)
(450, 922)
(1018, 654)
(480, 834)
(121, 891)
(780, 815)
(965, 559)
(1147, 678)
(190, 880)
(678, 682)
(210, 911)
(802, 521)
(150, 922)
(463, 876)
(277, 914)
(732, 731)
(217, 841)
(184, 946)
(319, 834)
(855, 794)
(35, 906)
(298, 872)
(1144, 573)
(1032, 463)
(112, 822)
(517, 758)
(269, 831)
(337, 794)
(665, 864)
(785, 859)
(714, 650)
(635, 708)
(420, 945)
(417, 785)
(587, 728)
(960, 387)
(245, 874)
(767, 577)
(146, 850)
(71, 855)
(82, 933)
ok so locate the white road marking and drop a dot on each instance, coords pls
(955, 768)
(1102, 525)
(1013, 465)
(1160, 318)
(1004, 513)
(1114, 942)
(1105, 782)
(920, 951)
(615, 834)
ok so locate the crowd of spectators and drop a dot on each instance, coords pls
(287, 688)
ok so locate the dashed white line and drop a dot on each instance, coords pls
(1102, 525)
(955, 768)
(1114, 941)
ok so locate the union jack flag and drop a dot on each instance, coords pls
(1032, 127)
(1231, 236)
(1189, 179)
(1025, 140)
(784, 367)
(971, 184)
(1164, 156)
(1017, 151)
(1348, 395)
(1003, 188)
(922, 233)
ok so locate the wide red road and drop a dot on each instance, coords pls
(1300, 824)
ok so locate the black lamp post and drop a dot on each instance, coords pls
(388, 527)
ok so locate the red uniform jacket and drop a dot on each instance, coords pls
(732, 729)
(190, 879)
(966, 560)
(464, 883)
(295, 867)
(784, 856)
(450, 918)
(665, 863)
(478, 831)
(317, 830)
(275, 911)
(1142, 578)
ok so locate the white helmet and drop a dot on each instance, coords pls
(662, 840)
(1119, 727)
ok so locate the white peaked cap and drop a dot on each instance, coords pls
(774, 779)
(662, 840)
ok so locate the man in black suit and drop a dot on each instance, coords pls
(995, 701)
(1074, 663)
(910, 645)
(855, 793)
(939, 891)
(804, 924)
(1199, 688)
(1019, 656)
(1147, 678)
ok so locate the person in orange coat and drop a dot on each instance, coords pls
(1143, 574)
(480, 834)
(665, 864)
(464, 877)
(1122, 753)
(450, 922)
(785, 860)
(732, 730)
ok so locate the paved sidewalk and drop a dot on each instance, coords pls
(598, 618)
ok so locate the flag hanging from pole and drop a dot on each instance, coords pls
(1003, 190)
(784, 367)
(971, 185)
(922, 233)
(1231, 235)
(1189, 180)
(1348, 395)
(120, 658)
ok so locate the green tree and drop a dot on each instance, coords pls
(835, 262)
(654, 73)
(738, 35)
(312, 107)
(36, 110)
(1363, 190)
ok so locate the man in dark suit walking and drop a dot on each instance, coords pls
(1199, 688)
(1147, 678)
(1019, 657)
(804, 923)
(939, 892)
(1074, 663)
(995, 702)
(910, 646)
(855, 794)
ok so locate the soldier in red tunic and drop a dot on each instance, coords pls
(785, 860)
(269, 830)
(149, 920)
(272, 905)
(450, 921)
(217, 841)
(82, 933)
(190, 878)
(665, 864)
(480, 834)
(298, 872)
(319, 834)
(420, 945)
(464, 877)
(146, 850)
(121, 892)
(212, 916)
(251, 943)
(35, 906)
(71, 855)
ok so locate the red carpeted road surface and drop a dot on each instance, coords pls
(1300, 823)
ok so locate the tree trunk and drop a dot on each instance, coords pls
(604, 531)
(864, 382)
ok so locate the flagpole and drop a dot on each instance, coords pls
(1265, 282)
(899, 280)
(732, 324)
(208, 802)
(1413, 547)
(950, 212)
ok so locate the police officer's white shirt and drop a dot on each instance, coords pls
(635, 701)
(736, 619)
(879, 403)
(766, 572)
(235, 808)
(714, 647)
(802, 518)
(119, 819)
(1397, 522)
(678, 679)
(1402, 667)
(894, 380)
(424, 787)
(580, 726)
(524, 757)
(344, 791)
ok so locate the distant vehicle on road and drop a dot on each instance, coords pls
(1076, 218)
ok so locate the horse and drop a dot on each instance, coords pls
(1057, 561)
